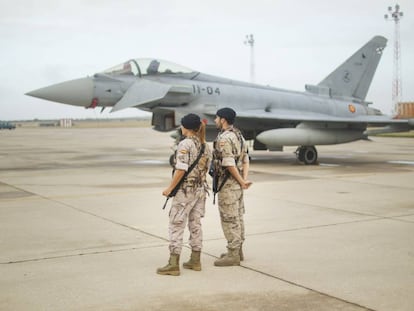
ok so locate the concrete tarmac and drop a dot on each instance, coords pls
(82, 227)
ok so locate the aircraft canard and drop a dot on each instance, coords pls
(332, 112)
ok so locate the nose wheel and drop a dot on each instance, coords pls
(307, 155)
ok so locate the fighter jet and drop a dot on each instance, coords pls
(332, 112)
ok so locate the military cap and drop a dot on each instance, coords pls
(227, 113)
(191, 121)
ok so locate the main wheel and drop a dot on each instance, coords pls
(307, 154)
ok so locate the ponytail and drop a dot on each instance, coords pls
(201, 133)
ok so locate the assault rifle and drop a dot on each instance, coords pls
(214, 173)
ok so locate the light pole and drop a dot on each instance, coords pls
(250, 41)
(396, 82)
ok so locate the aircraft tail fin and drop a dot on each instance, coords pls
(353, 78)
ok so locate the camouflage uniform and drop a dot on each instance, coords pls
(189, 202)
(230, 149)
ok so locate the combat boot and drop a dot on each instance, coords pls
(172, 268)
(194, 262)
(240, 254)
(232, 258)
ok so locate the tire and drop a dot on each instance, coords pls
(310, 155)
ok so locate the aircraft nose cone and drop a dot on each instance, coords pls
(78, 92)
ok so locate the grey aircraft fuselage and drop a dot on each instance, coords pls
(332, 112)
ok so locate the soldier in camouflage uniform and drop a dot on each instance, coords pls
(231, 163)
(189, 202)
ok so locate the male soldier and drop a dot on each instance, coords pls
(231, 165)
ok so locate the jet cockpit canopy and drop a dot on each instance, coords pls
(149, 66)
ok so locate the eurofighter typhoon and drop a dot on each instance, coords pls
(332, 112)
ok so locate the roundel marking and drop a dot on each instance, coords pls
(347, 76)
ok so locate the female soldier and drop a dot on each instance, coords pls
(189, 202)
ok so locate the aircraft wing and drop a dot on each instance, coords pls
(309, 117)
(146, 91)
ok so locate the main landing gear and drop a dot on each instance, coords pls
(307, 154)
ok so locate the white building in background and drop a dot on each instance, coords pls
(65, 123)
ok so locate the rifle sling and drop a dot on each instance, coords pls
(175, 190)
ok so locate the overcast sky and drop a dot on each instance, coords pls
(297, 42)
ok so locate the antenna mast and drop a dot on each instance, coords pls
(396, 83)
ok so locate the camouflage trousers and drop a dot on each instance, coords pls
(187, 206)
(231, 208)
